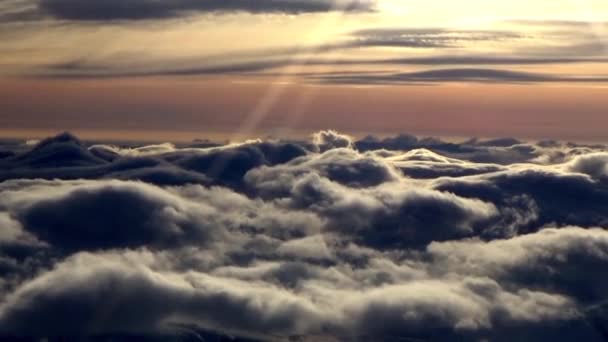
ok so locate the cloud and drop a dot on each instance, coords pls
(390, 216)
(593, 164)
(265, 62)
(118, 293)
(469, 72)
(341, 165)
(442, 47)
(65, 157)
(328, 239)
(562, 199)
(148, 9)
(11, 229)
(63, 150)
(556, 23)
(111, 215)
(543, 259)
(120, 296)
(428, 37)
(327, 140)
(425, 164)
(459, 75)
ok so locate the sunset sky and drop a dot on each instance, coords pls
(184, 69)
(304, 170)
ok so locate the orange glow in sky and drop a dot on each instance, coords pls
(474, 67)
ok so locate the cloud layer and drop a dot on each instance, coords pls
(130, 10)
(328, 239)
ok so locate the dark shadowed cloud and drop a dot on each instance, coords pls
(111, 10)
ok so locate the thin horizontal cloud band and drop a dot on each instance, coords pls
(137, 10)
(427, 76)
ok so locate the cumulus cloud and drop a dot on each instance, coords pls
(390, 215)
(328, 239)
(327, 140)
(593, 164)
(147, 300)
(543, 259)
(65, 157)
(107, 215)
(343, 166)
(114, 293)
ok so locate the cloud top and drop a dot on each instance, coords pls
(329, 239)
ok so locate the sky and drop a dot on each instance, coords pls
(332, 238)
(184, 69)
